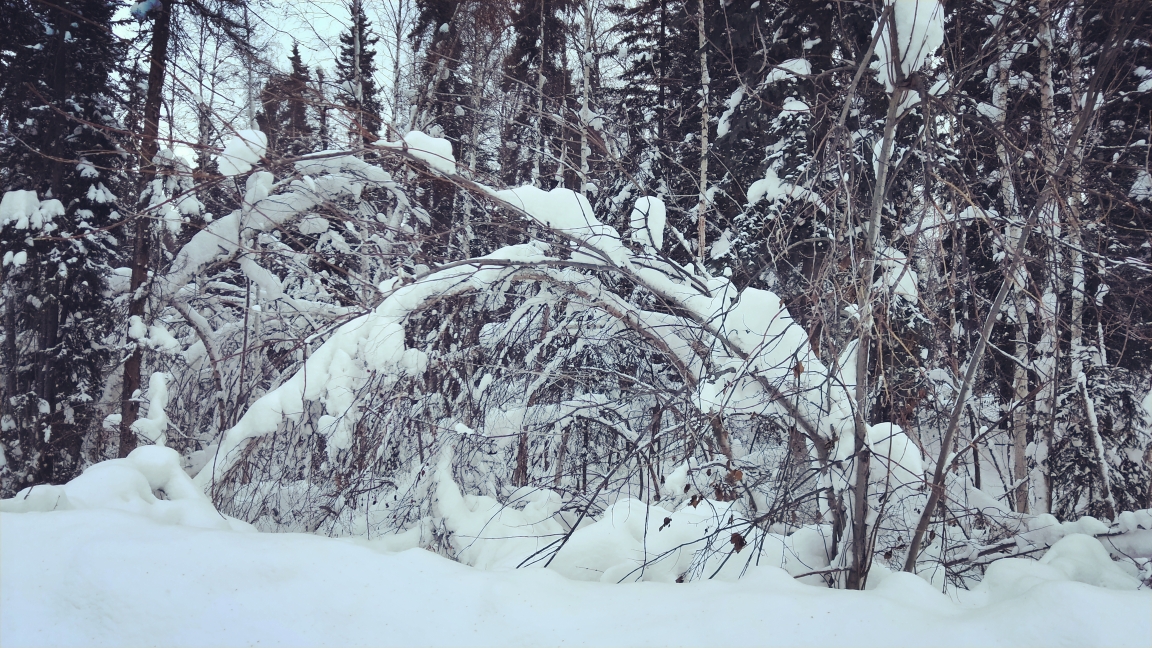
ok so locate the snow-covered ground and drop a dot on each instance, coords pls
(102, 561)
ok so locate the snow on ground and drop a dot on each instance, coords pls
(124, 555)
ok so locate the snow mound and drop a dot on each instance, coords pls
(919, 33)
(436, 151)
(242, 152)
(17, 207)
(647, 221)
(148, 482)
(788, 70)
(900, 458)
(1076, 558)
(106, 578)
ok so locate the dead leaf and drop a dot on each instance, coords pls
(738, 542)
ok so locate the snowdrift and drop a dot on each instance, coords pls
(130, 553)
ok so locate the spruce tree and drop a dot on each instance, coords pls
(538, 147)
(283, 116)
(356, 87)
(58, 105)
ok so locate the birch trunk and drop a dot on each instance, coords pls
(1011, 205)
(585, 109)
(1048, 349)
(538, 151)
(702, 208)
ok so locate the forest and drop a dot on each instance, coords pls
(633, 290)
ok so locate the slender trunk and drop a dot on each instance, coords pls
(140, 249)
(539, 134)
(702, 208)
(1011, 206)
(398, 35)
(1098, 446)
(249, 70)
(1048, 349)
(585, 107)
(358, 90)
(861, 552)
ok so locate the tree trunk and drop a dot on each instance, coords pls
(149, 147)
(702, 208)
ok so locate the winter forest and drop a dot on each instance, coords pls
(792, 295)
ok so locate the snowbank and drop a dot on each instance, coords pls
(104, 561)
(105, 577)
(148, 483)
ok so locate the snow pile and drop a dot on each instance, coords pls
(436, 151)
(631, 541)
(148, 482)
(1078, 558)
(789, 69)
(647, 221)
(113, 565)
(901, 463)
(154, 425)
(242, 152)
(25, 211)
(761, 362)
(772, 187)
(723, 126)
(919, 33)
(1141, 189)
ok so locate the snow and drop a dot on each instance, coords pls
(647, 221)
(794, 105)
(772, 187)
(104, 561)
(140, 10)
(897, 274)
(723, 126)
(1141, 189)
(789, 69)
(130, 485)
(18, 207)
(901, 460)
(721, 246)
(153, 426)
(436, 151)
(919, 33)
(242, 152)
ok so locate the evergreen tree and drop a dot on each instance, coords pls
(284, 111)
(357, 90)
(537, 146)
(59, 172)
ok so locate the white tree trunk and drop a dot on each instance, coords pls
(702, 208)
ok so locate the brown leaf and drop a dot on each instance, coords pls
(694, 501)
(667, 521)
(738, 542)
(798, 369)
